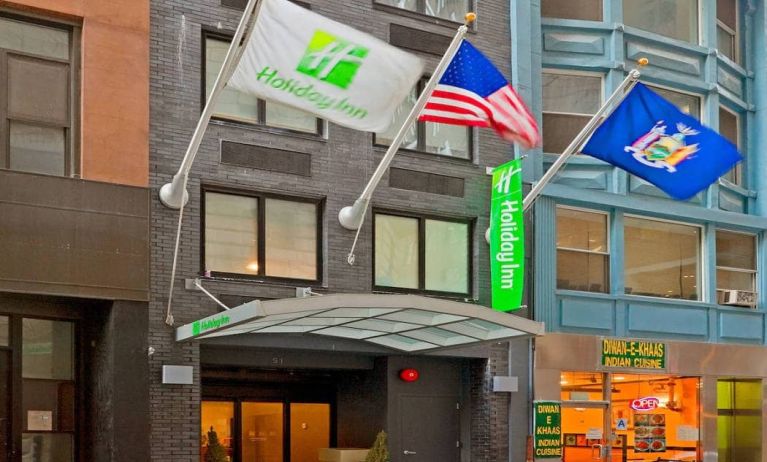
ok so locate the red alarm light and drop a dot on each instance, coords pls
(408, 375)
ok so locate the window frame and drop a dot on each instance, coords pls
(261, 227)
(754, 272)
(608, 245)
(420, 134)
(735, 34)
(572, 73)
(208, 33)
(702, 276)
(738, 169)
(72, 129)
(420, 11)
(699, 37)
(701, 97)
(469, 222)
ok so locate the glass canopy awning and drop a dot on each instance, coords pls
(407, 323)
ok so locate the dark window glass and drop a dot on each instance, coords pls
(582, 251)
(588, 10)
(676, 19)
(569, 102)
(454, 10)
(729, 127)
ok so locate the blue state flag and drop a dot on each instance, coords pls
(652, 139)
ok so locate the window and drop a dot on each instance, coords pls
(422, 254)
(735, 263)
(261, 236)
(588, 10)
(445, 140)
(454, 10)
(662, 259)
(727, 28)
(37, 133)
(676, 19)
(739, 420)
(689, 104)
(729, 127)
(241, 107)
(48, 381)
(569, 102)
(583, 258)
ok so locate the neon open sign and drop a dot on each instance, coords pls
(649, 403)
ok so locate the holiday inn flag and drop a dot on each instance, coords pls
(304, 60)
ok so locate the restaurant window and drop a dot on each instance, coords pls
(735, 268)
(258, 236)
(685, 102)
(583, 255)
(676, 19)
(453, 10)
(569, 102)
(649, 417)
(729, 127)
(662, 259)
(441, 139)
(420, 253)
(727, 29)
(237, 106)
(739, 420)
(587, 10)
(38, 129)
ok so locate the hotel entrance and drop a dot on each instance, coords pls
(622, 417)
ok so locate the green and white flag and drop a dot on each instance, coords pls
(301, 59)
(507, 237)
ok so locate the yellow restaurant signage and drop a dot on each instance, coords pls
(632, 354)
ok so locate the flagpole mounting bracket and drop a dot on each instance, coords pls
(351, 216)
(173, 195)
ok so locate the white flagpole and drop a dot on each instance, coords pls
(618, 95)
(173, 195)
(351, 217)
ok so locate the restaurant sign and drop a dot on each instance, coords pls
(632, 354)
(548, 429)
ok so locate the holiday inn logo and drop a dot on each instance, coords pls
(332, 59)
(199, 327)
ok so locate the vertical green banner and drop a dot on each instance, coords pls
(548, 429)
(507, 237)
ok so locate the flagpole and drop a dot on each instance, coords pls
(173, 195)
(351, 217)
(618, 95)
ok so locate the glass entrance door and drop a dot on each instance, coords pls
(250, 431)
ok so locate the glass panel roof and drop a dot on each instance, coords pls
(405, 323)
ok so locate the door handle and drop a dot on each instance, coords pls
(596, 449)
(409, 453)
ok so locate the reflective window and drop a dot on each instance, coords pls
(4, 332)
(676, 19)
(582, 251)
(588, 10)
(39, 88)
(569, 102)
(453, 10)
(236, 229)
(420, 253)
(729, 127)
(662, 259)
(441, 139)
(727, 29)
(262, 432)
(47, 349)
(216, 436)
(242, 107)
(689, 104)
(739, 420)
(735, 267)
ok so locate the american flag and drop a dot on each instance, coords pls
(472, 92)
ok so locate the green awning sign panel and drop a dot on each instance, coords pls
(507, 237)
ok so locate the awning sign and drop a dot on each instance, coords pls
(507, 237)
(548, 429)
(632, 354)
